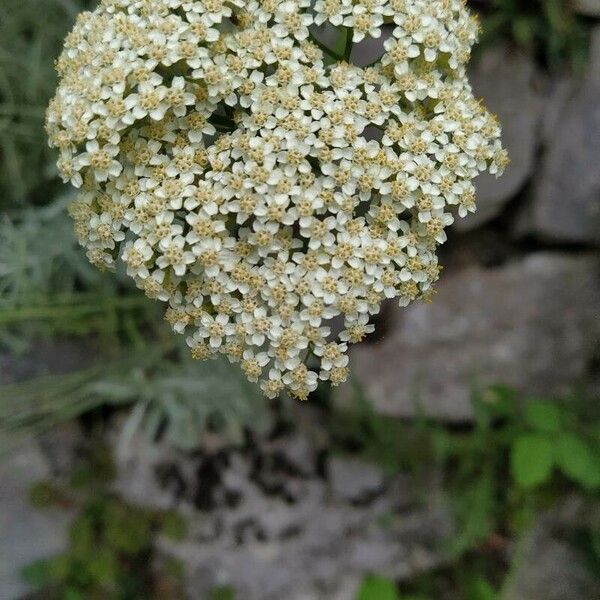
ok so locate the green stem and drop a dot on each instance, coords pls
(37, 313)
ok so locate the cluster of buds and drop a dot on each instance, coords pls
(270, 192)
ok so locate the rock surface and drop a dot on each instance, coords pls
(506, 78)
(590, 8)
(557, 573)
(354, 480)
(144, 473)
(551, 568)
(566, 199)
(269, 544)
(531, 324)
(26, 533)
(297, 525)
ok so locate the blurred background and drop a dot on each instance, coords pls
(462, 460)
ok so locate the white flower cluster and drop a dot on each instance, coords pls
(259, 183)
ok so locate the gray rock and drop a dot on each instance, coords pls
(298, 453)
(555, 572)
(26, 533)
(566, 200)
(559, 91)
(589, 8)
(531, 324)
(506, 78)
(549, 567)
(269, 550)
(144, 475)
(318, 545)
(354, 480)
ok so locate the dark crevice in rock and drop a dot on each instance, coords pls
(247, 531)
(498, 243)
(209, 480)
(367, 499)
(486, 247)
(291, 532)
(280, 429)
(243, 529)
(321, 464)
(232, 498)
(383, 322)
(271, 483)
(169, 477)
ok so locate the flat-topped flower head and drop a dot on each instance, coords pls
(258, 182)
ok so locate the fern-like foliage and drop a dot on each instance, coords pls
(31, 34)
(47, 285)
(169, 395)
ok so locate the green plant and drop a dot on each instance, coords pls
(48, 289)
(550, 28)
(550, 439)
(466, 579)
(47, 286)
(502, 472)
(393, 444)
(110, 552)
(223, 592)
(167, 390)
(31, 33)
(184, 399)
(519, 458)
(376, 587)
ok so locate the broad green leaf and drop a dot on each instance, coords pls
(543, 416)
(376, 587)
(576, 460)
(532, 459)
